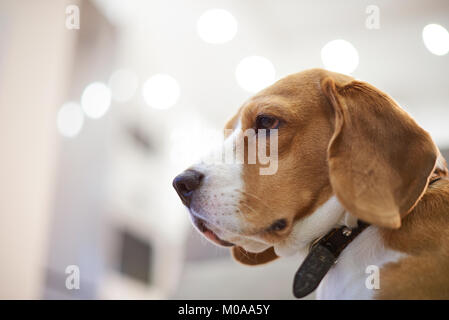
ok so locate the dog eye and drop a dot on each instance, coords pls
(278, 225)
(267, 122)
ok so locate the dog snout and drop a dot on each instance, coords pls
(186, 183)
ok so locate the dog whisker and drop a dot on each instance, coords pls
(257, 198)
(249, 207)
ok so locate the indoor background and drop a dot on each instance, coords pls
(103, 102)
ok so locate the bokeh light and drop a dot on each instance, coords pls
(161, 91)
(123, 84)
(70, 119)
(436, 39)
(255, 73)
(95, 100)
(340, 56)
(217, 26)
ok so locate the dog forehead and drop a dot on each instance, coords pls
(289, 96)
(295, 88)
(304, 83)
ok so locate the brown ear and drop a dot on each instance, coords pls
(380, 160)
(252, 259)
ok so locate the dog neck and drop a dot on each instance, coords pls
(327, 223)
(328, 216)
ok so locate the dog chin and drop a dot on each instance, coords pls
(208, 233)
(225, 239)
(255, 247)
(246, 243)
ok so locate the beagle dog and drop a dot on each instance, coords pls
(347, 153)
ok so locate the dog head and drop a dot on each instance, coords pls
(343, 151)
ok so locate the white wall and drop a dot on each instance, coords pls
(33, 66)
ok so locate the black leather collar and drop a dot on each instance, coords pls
(322, 256)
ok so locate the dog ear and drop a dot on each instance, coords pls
(380, 160)
(252, 259)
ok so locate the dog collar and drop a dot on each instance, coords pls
(322, 256)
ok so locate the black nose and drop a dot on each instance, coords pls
(187, 182)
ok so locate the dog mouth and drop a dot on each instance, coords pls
(209, 234)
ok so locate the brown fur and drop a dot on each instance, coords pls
(424, 235)
(342, 136)
(253, 259)
(380, 160)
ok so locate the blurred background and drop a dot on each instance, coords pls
(103, 102)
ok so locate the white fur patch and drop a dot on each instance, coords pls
(346, 279)
(217, 200)
(314, 226)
